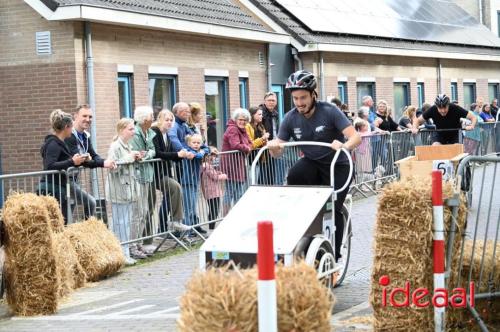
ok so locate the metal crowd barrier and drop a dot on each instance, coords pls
(373, 163)
(42, 183)
(480, 245)
(205, 190)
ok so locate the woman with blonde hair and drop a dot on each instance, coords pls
(57, 156)
(122, 188)
(408, 114)
(194, 120)
(384, 120)
(164, 181)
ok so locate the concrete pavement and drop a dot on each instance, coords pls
(145, 297)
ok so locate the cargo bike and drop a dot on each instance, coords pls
(303, 222)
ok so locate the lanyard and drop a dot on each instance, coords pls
(84, 144)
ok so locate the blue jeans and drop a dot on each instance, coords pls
(122, 214)
(234, 191)
(190, 198)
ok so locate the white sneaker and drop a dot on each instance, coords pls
(177, 226)
(130, 261)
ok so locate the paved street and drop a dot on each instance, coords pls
(145, 298)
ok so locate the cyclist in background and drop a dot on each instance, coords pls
(313, 120)
(445, 116)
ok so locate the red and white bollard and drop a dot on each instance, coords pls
(438, 248)
(266, 285)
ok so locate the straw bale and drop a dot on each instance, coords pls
(31, 267)
(226, 300)
(55, 215)
(71, 273)
(98, 250)
(304, 304)
(403, 251)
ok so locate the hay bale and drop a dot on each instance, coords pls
(55, 215)
(31, 267)
(71, 273)
(304, 304)
(403, 251)
(98, 250)
(226, 300)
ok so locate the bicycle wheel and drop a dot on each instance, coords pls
(320, 256)
(345, 248)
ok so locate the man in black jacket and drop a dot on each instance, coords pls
(273, 169)
(79, 143)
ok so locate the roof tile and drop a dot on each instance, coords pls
(220, 12)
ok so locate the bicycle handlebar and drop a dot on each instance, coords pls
(310, 143)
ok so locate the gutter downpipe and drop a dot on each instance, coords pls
(439, 77)
(321, 77)
(89, 60)
(480, 11)
(296, 57)
(269, 75)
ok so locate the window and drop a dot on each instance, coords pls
(401, 99)
(162, 92)
(454, 91)
(493, 91)
(342, 86)
(365, 89)
(469, 94)
(244, 92)
(217, 112)
(420, 94)
(125, 95)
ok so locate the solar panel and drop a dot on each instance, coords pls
(422, 20)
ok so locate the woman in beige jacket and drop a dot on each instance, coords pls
(122, 188)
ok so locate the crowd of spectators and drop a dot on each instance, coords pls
(149, 197)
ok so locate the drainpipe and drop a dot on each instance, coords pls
(91, 100)
(480, 11)
(439, 77)
(321, 77)
(89, 59)
(297, 59)
(269, 75)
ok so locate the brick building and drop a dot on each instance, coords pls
(209, 52)
(223, 54)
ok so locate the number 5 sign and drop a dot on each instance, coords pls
(445, 166)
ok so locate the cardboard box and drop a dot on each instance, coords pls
(421, 164)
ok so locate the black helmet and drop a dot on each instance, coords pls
(442, 100)
(301, 80)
